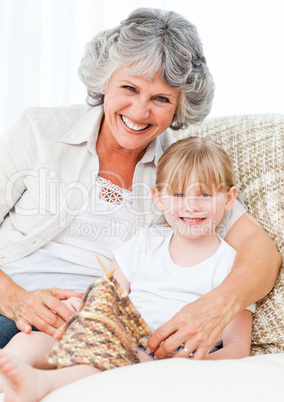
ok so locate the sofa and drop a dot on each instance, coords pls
(253, 379)
(255, 144)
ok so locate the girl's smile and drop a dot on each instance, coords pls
(195, 213)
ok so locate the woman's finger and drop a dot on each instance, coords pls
(41, 325)
(62, 312)
(41, 309)
(161, 334)
(200, 353)
(64, 294)
(186, 353)
(174, 342)
(23, 326)
(172, 334)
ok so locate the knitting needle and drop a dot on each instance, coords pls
(108, 273)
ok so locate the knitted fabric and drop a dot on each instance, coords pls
(105, 333)
(255, 144)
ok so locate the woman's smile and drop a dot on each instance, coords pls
(134, 126)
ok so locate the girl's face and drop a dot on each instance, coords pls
(194, 213)
(137, 110)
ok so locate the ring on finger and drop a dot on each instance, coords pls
(188, 352)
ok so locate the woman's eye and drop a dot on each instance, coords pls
(179, 195)
(163, 99)
(129, 88)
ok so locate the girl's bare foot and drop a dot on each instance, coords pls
(21, 382)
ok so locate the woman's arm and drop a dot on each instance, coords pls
(236, 338)
(257, 261)
(200, 324)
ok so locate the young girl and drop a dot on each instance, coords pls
(162, 268)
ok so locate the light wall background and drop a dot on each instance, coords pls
(42, 41)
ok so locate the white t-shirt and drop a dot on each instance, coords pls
(159, 287)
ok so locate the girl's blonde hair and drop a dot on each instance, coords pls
(204, 157)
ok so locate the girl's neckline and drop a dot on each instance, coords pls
(205, 261)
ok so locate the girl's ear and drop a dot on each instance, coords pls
(157, 197)
(230, 198)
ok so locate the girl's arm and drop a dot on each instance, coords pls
(200, 324)
(74, 303)
(119, 276)
(236, 338)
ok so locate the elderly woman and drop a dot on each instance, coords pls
(76, 182)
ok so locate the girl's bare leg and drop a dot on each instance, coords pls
(23, 383)
(32, 348)
(144, 357)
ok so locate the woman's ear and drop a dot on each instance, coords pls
(230, 198)
(157, 197)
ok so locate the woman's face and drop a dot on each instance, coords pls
(137, 110)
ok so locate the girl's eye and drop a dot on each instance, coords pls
(179, 195)
(163, 99)
(205, 195)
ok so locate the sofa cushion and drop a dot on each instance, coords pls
(258, 378)
(255, 144)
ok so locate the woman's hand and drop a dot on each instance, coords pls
(41, 308)
(197, 325)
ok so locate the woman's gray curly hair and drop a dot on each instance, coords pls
(149, 41)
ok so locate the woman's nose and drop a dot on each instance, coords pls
(140, 109)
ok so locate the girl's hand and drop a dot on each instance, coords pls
(73, 303)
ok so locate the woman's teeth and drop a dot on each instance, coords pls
(133, 126)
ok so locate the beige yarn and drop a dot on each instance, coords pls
(255, 144)
(105, 333)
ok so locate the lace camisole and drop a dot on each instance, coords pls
(69, 260)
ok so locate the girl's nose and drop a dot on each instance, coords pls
(192, 204)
